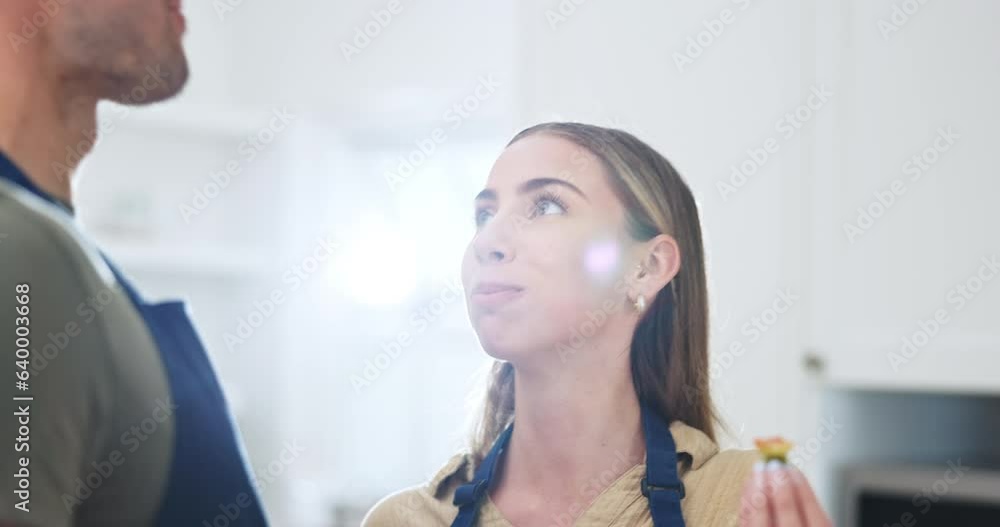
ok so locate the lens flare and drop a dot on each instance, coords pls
(601, 259)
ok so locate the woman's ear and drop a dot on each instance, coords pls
(660, 264)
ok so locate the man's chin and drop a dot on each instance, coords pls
(157, 82)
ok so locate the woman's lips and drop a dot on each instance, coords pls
(495, 296)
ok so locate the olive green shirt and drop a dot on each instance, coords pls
(100, 427)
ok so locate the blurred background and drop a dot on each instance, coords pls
(311, 194)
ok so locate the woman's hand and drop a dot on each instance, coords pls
(778, 495)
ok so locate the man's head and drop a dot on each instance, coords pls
(128, 51)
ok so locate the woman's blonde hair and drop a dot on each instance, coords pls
(669, 350)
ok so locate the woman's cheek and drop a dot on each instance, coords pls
(576, 273)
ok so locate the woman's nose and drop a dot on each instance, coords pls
(493, 243)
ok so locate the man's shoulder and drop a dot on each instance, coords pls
(94, 371)
(82, 323)
(41, 239)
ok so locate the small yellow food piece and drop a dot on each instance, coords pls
(773, 448)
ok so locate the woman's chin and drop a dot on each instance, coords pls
(511, 347)
(498, 349)
(510, 339)
(500, 344)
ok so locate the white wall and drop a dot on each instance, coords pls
(615, 64)
(778, 229)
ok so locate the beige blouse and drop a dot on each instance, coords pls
(713, 482)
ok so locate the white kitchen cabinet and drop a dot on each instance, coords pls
(904, 223)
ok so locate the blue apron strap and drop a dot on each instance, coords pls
(205, 433)
(468, 496)
(662, 485)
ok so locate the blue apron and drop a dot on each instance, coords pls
(208, 470)
(661, 486)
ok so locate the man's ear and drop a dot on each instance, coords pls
(661, 263)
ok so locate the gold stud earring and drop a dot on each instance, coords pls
(640, 303)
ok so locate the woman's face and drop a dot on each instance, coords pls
(544, 268)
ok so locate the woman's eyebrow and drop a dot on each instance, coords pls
(530, 185)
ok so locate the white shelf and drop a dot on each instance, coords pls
(188, 118)
(956, 362)
(171, 259)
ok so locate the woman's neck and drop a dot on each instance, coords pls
(577, 429)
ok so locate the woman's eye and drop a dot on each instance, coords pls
(480, 216)
(545, 205)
